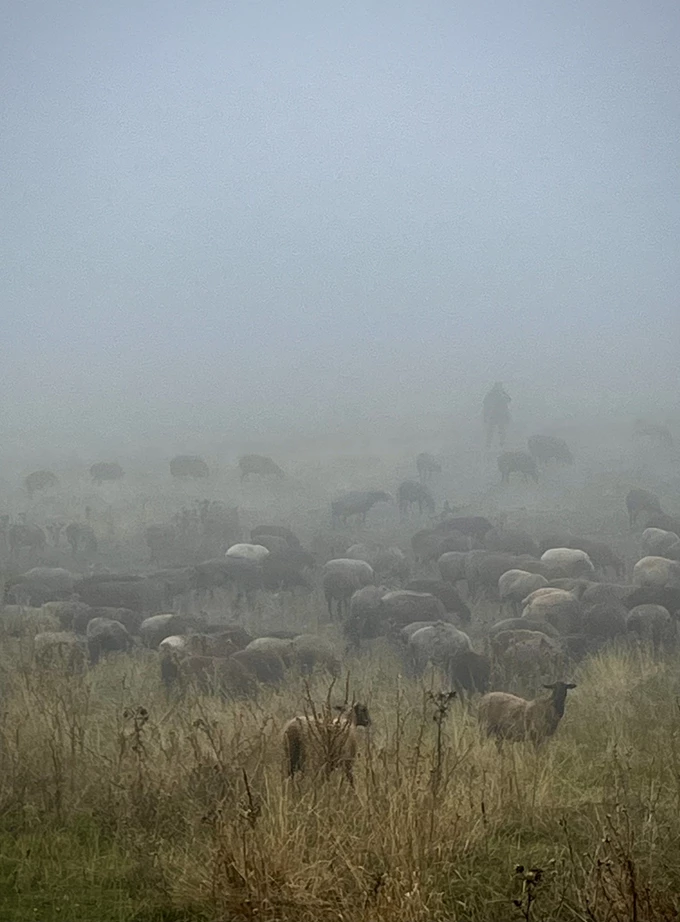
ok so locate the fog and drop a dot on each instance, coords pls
(227, 220)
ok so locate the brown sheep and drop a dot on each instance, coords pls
(331, 741)
(508, 717)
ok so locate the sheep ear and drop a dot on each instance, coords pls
(338, 707)
(551, 686)
(570, 685)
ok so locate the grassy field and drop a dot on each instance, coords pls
(117, 803)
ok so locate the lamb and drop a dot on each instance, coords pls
(330, 741)
(520, 462)
(508, 717)
(342, 576)
(411, 493)
(260, 465)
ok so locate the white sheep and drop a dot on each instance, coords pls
(556, 606)
(331, 742)
(658, 572)
(508, 717)
(515, 585)
(657, 541)
(255, 552)
(567, 561)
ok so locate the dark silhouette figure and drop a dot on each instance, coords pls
(496, 414)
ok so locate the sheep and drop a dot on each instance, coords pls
(428, 545)
(452, 566)
(519, 462)
(515, 585)
(105, 470)
(266, 665)
(604, 620)
(526, 655)
(275, 531)
(510, 541)
(472, 526)
(557, 607)
(192, 466)
(651, 623)
(547, 448)
(280, 646)
(638, 501)
(254, 552)
(356, 503)
(40, 480)
(41, 584)
(106, 636)
(567, 562)
(522, 624)
(311, 651)
(577, 587)
(365, 621)
(427, 465)
(332, 742)
(400, 607)
(659, 542)
(483, 569)
(225, 675)
(514, 719)
(259, 465)
(657, 572)
(439, 644)
(60, 649)
(411, 493)
(601, 555)
(341, 578)
(386, 561)
(446, 593)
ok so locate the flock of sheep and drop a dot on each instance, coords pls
(556, 597)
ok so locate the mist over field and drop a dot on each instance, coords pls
(227, 221)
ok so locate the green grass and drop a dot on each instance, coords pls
(106, 815)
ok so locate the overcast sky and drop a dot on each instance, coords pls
(213, 209)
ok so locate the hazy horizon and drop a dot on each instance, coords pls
(257, 218)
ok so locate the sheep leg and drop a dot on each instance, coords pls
(296, 756)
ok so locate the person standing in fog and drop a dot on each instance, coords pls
(496, 413)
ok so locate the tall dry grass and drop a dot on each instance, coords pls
(118, 803)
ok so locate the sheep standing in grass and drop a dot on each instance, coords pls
(657, 572)
(567, 562)
(331, 742)
(638, 501)
(508, 717)
(515, 585)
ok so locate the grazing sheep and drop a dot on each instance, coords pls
(664, 521)
(60, 650)
(638, 501)
(667, 596)
(40, 480)
(510, 541)
(452, 566)
(577, 587)
(651, 623)
(472, 526)
(400, 607)
(267, 666)
(547, 448)
(342, 576)
(208, 674)
(470, 671)
(81, 538)
(41, 584)
(446, 593)
(22, 535)
(183, 466)
(365, 621)
(356, 504)
(659, 542)
(427, 465)
(331, 742)
(105, 470)
(412, 493)
(526, 655)
(483, 569)
(522, 624)
(439, 644)
(259, 465)
(428, 545)
(515, 585)
(387, 562)
(601, 555)
(246, 576)
(254, 552)
(657, 572)
(276, 531)
(312, 651)
(508, 717)
(604, 621)
(155, 629)
(72, 616)
(280, 646)
(566, 562)
(106, 636)
(557, 607)
(517, 462)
